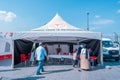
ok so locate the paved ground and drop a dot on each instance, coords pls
(62, 72)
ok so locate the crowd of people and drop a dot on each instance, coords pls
(81, 56)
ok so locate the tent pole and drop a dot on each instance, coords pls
(101, 51)
(12, 65)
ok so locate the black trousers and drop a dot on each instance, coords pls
(75, 62)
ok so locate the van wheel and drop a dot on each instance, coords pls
(116, 59)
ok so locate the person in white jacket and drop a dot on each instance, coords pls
(40, 54)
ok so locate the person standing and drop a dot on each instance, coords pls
(79, 50)
(84, 56)
(78, 55)
(32, 57)
(74, 58)
(58, 50)
(46, 48)
(40, 56)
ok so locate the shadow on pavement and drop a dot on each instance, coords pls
(97, 68)
(6, 70)
(30, 78)
(111, 63)
(57, 71)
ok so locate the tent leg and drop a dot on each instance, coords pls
(12, 65)
(101, 55)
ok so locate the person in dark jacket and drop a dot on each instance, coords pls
(78, 55)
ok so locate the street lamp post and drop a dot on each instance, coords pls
(88, 21)
(116, 36)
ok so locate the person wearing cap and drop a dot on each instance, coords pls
(40, 54)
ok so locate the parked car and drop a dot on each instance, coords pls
(109, 50)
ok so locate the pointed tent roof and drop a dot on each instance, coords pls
(54, 30)
(57, 23)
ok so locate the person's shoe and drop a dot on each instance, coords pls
(79, 70)
(86, 69)
(38, 73)
(73, 65)
(43, 70)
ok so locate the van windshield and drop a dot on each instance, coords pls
(107, 43)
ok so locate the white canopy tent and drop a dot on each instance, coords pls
(57, 30)
(54, 30)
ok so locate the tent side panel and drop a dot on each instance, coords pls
(21, 46)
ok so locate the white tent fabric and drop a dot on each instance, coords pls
(57, 30)
(6, 46)
(57, 35)
(57, 23)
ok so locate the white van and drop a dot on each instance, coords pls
(109, 50)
